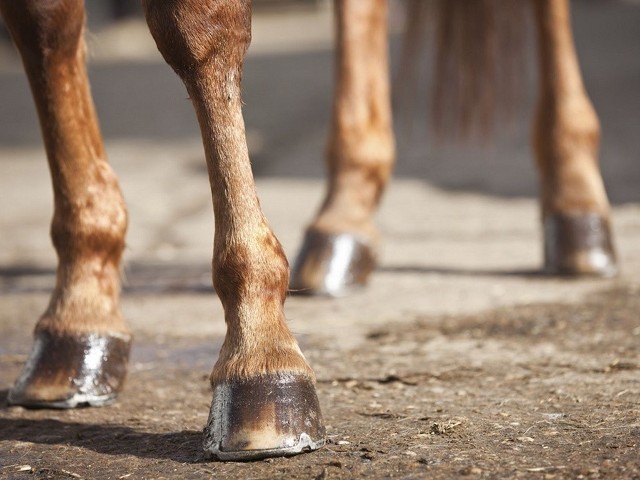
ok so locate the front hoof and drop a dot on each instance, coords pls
(265, 416)
(332, 264)
(579, 244)
(65, 371)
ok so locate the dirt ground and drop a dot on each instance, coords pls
(541, 391)
(458, 361)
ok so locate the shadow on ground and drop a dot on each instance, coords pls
(104, 439)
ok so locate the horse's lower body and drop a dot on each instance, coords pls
(264, 402)
(339, 250)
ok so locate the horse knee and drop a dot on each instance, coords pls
(45, 30)
(194, 34)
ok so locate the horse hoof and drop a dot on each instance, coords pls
(66, 371)
(331, 264)
(266, 416)
(579, 244)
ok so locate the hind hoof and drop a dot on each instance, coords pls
(332, 264)
(72, 371)
(266, 416)
(579, 244)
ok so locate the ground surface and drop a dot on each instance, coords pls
(459, 360)
(540, 391)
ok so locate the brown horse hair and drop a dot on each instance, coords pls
(478, 63)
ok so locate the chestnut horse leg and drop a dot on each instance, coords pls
(264, 401)
(339, 249)
(81, 342)
(575, 209)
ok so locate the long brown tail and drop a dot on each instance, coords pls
(479, 47)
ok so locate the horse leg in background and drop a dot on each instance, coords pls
(339, 248)
(81, 342)
(264, 401)
(575, 208)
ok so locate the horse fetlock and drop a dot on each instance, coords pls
(564, 130)
(566, 147)
(88, 284)
(257, 270)
(361, 173)
(263, 416)
(93, 223)
(85, 237)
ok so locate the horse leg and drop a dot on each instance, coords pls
(264, 401)
(575, 208)
(81, 342)
(339, 249)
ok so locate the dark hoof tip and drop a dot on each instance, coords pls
(331, 264)
(262, 417)
(579, 244)
(72, 371)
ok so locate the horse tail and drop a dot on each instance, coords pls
(478, 63)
